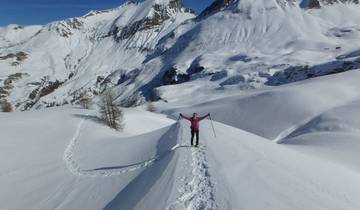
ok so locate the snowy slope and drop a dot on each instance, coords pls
(16, 34)
(47, 170)
(75, 56)
(287, 107)
(317, 117)
(244, 43)
(261, 175)
(81, 164)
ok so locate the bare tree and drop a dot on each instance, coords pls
(110, 112)
(151, 107)
(5, 106)
(85, 102)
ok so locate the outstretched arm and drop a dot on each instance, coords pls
(185, 117)
(201, 118)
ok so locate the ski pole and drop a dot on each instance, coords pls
(212, 125)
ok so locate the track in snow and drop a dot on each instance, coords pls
(75, 169)
(197, 191)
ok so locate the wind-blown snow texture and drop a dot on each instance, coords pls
(279, 77)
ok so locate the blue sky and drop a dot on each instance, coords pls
(27, 12)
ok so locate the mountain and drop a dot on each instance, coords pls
(251, 44)
(145, 50)
(311, 4)
(64, 59)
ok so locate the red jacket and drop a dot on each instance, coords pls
(194, 121)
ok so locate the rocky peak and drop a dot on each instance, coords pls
(338, 1)
(316, 4)
(215, 6)
(218, 5)
(310, 4)
(65, 27)
(159, 12)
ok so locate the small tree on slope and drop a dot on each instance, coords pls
(5, 106)
(110, 112)
(85, 102)
(151, 107)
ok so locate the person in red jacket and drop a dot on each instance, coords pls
(195, 125)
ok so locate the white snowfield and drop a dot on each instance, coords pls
(63, 158)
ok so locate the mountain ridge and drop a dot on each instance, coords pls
(139, 49)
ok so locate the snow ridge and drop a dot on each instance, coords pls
(201, 195)
(76, 170)
(198, 193)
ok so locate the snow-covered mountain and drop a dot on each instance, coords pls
(137, 47)
(66, 58)
(279, 77)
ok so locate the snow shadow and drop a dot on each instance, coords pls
(241, 57)
(136, 190)
(89, 117)
(299, 73)
(157, 158)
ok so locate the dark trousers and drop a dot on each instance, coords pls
(193, 133)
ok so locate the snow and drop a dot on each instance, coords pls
(79, 51)
(337, 135)
(44, 170)
(262, 175)
(248, 41)
(14, 34)
(64, 158)
(317, 117)
(280, 81)
(287, 107)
